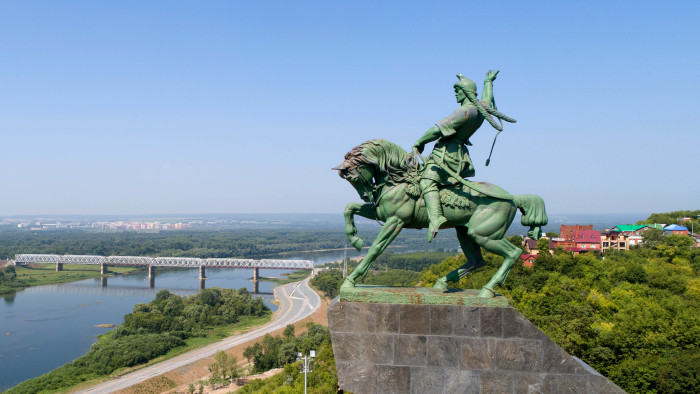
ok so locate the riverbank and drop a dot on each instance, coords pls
(138, 339)
(244, 325)
(289, 278)
(178, 380)
(46, 274)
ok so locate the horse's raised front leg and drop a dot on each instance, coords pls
(389, 231)
(474, 260)
(352, 209)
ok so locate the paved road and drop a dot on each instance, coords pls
(297, 301)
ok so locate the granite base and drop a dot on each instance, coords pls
(464, 348)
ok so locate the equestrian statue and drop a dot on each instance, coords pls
(402, 192)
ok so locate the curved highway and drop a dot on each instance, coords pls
(297, 301)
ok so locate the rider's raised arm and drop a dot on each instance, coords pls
(487, 94)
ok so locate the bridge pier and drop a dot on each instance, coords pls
(103, 269)
(202, 285)
(151, 282)
(255, 287)
(17, 263)
(202, 272)
(59, 267)
(151, 271)
(256, 274)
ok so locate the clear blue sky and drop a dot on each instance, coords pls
(136, 107)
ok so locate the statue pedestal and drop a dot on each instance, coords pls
(403, 340)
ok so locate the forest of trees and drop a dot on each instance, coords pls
(149, 331)
(633, 316)
(675, 217)
(9, 281)
(414, 261)
(202, 244)
(281, 351)
(390, 269)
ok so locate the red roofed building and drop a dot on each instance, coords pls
(528, 259)
(569, 232)
(567, 235)
(587, 240)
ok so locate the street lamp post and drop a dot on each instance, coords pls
(305, 366)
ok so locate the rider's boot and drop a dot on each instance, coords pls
(434, 208)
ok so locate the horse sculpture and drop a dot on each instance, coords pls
(386, 177)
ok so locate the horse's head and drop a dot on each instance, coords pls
(360, 177)
(374, 164)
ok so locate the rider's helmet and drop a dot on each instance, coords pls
(465, 83)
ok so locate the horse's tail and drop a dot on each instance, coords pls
(534, 214)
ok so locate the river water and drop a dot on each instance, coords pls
(44, 327)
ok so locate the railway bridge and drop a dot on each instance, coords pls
(153, 262)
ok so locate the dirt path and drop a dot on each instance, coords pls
(196, 371)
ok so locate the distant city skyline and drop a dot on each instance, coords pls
(158, 108)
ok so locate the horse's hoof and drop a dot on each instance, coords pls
(487, 292)
(348, 284)
(441, 284)
(356, 242)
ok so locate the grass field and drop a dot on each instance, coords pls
(291, 277)
(46, 274)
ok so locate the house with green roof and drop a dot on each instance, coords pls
(657, 226)
(632, 233)
(633, 229)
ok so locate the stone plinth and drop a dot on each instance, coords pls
(469, 346)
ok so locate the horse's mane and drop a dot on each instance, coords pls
(387, 157)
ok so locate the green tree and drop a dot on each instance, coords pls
(543, 246)
(224, 368)
(328, 282)
(288, 331)
(653, 237)
(253, 352)
(287, 353)
(218, 367)
(517, 241)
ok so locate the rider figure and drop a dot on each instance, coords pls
(450, 156)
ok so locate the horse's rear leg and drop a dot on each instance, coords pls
(471, 251)
(487, 228)
(510, 252)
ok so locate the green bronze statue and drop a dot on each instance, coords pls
(449, 162)
(406, 194)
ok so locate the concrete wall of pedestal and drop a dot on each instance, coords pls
(390, 348)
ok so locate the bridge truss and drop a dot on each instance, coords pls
(184, 262)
